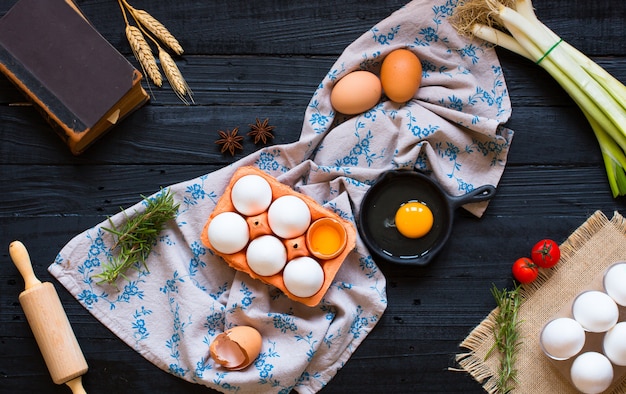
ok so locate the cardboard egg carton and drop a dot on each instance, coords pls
(593, 340)
(296, 247)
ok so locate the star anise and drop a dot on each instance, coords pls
(261, 131)
(230, 140)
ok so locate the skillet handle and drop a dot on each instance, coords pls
(482, 193)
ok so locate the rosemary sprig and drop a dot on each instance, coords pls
(137, 236)
(507, 337)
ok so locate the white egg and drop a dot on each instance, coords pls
(266, 255)
(595, 311)
(228, 232)
(303, 276)
(562, 338)
(615, 283)
(615, 344)
(591, 373)
(289, 216)
(251, 195)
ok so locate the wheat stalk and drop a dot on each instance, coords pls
(174, 76)
(156, 28)
(143, 53)
(146, 27)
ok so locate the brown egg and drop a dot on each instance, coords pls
(357, 92)
(401, 75)
(236, 348)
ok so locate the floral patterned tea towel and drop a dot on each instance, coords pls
(451, 129)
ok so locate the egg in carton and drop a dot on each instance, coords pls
(281, 237)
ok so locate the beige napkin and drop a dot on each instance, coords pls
(171, 314)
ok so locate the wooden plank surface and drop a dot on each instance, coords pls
(237, 56)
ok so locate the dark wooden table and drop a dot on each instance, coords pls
(264, 59)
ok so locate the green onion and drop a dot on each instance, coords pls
(513, 25)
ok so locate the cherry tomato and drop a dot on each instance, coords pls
(545, 253)
(524, 270)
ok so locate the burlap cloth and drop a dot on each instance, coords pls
(594, 246)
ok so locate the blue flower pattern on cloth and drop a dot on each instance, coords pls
(172, 311)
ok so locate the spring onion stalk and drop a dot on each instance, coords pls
(513, 25)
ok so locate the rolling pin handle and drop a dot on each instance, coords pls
(76, 385)
(21, 259)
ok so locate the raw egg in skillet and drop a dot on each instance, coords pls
(414, 219)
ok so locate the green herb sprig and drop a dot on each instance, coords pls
(507, 337)
(137, 236)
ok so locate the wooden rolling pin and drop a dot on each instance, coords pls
(49, 323)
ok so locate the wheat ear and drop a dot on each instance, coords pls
(158, 29)
(174, 76)
(143, 53)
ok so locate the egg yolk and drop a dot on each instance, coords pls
(326, 240)
(414, 219)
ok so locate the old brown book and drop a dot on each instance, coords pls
(80, 83)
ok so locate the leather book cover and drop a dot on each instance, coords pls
(73, 75)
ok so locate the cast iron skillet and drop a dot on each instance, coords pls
(391, 190)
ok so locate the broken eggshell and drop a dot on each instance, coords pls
(236, 348)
